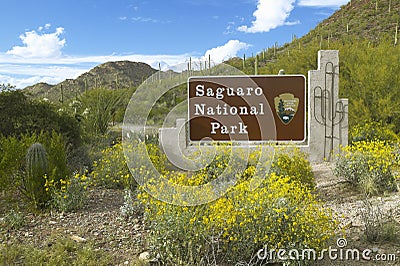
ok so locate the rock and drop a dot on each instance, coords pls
(144, 256)
(52, 222)
(78, 239)
(136, 227)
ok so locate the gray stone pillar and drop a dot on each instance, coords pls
(328, 114)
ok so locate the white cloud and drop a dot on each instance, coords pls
(146, 19)
(20, 83)
(325, 3)
(270, 15)
(25, 71)
(36, 45)
(92, 60)
(230, 28)
(55, 71)
(46, 27)
(226, 51)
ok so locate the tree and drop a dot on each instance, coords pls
(98, 109)
(20, 115)
(6, 87)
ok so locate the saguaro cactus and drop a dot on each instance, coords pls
(62, 94)
(36, 169)
(256, 65)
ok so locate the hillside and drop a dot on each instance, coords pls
(360, 19)
(111, 75)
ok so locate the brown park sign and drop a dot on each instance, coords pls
(247, 108)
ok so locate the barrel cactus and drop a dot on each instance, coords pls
(36, 169)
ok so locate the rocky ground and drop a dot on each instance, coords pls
(101, 223)
(349, 206)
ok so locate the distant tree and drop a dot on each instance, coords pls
(6, 87)
(99, 107)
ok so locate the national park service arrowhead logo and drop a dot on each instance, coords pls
(286, 107)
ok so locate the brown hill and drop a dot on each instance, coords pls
(111, 75)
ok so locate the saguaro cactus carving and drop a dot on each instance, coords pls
(332, 110)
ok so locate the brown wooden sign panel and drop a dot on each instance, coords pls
(247, 108)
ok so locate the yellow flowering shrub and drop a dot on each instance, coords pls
(371, 130)
(68, 194)
(280, 213)
(295, 165)
(111, 170)
(368, 165)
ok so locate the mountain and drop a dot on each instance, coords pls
(111, 75)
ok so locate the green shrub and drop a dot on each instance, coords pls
(369, 166)
(379, 225)
(69, 194)
(110, 170)
(12, 162)
(55, 146)
(12, 220)
(21, 115)
(98, 109)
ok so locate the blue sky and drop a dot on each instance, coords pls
(51, 40)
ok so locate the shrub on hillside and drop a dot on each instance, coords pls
(369, 131)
